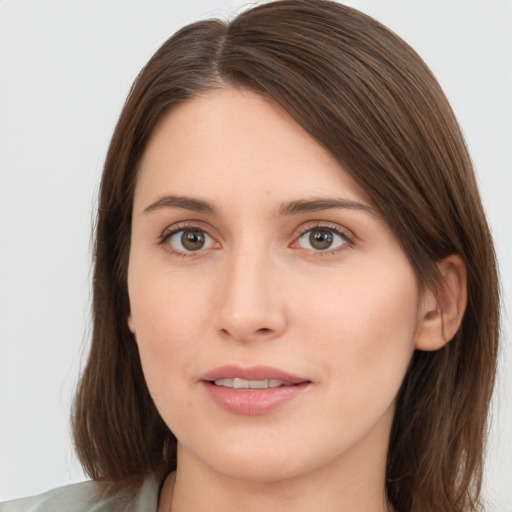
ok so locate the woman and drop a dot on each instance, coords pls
(295, 294)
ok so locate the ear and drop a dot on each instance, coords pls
(443, 309)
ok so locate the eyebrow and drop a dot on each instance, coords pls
(286, 209)
(316, 205)
(185, 203)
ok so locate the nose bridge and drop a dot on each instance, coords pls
(250, 306)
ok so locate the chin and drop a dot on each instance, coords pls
(264, 471)
(251, 461)
(255, 460)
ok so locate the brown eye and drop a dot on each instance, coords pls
(322, 239)
(190, 240)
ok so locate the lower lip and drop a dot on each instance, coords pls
(255, 402)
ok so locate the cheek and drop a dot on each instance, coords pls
(360, 338)
(169, 315)
(363, 322)
(164, 302)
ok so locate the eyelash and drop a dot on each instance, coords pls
(322, 226)
(169, 233)
(348, 238)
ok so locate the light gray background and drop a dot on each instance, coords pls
(65, 69)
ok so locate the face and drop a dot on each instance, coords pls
(274, 311)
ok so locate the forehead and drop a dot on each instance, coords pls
(237, 143)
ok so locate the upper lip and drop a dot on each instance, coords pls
(259, 372)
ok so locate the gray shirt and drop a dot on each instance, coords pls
(87, 497)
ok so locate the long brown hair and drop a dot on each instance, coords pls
(366, 96)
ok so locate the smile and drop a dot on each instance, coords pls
(238, 383)
(253, 391)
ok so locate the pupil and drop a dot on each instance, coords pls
(192, 240)
(321, 239)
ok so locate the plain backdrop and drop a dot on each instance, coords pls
(65, 69)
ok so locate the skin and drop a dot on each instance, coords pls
(347, 318)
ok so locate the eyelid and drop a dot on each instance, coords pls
(336, 228)
(171, 230)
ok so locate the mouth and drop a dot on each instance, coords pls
(253, 391)
(254, 377)
(251, 385)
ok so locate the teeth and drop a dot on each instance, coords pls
(237, 383)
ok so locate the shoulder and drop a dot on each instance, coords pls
(87, 497)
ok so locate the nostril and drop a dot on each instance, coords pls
(264, 330)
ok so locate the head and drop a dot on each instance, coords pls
(364, 97)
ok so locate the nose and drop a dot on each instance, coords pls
(250, 303)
